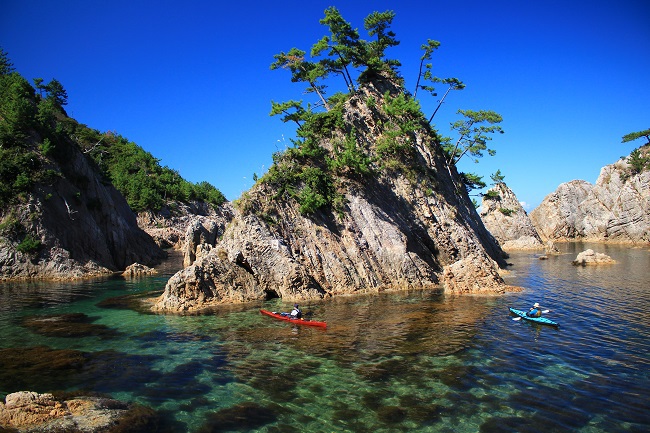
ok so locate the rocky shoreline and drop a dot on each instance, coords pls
(31, 412)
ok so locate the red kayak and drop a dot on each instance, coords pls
(296, 321)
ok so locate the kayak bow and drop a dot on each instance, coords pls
(306, 322)
(542, 320)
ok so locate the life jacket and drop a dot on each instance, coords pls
(534, 312)
(296, 313)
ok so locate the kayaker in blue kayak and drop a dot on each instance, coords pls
(536, 311)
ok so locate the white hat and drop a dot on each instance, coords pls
(535, 305)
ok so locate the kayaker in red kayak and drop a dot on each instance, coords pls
(296, 313)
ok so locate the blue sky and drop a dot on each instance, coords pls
(190, 81)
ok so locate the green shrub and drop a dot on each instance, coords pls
(506, 211)
(492, 195)
(638, 162)
(29, 245)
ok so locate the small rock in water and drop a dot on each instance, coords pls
(138, 269)
(590, 257)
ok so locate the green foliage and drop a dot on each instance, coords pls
(349, 158)
(638, 161)
(17, 109)
(26, 117)
(19, 169)
(492, 195)
(404, 119)
(291, 111)
(144, 182)
(472, 181)
(425, 73)
(497, 177)
(377, 24)
(473, 134)
(341, 52)
(6, 67)
(10, 227)
(29, 245)
(506, 211)
(636, 135)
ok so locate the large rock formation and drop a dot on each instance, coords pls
(79, 225)
(507, 220)
(409, 223)
(616, 208)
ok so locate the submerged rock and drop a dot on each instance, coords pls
(590, 257)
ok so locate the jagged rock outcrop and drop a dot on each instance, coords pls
(168, 226)
(137, 269)
(29, 412)
(616, 208)
(507, 220)
(79, 225)
(590, 257)
(406, 225)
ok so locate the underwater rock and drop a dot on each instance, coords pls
(72, 325)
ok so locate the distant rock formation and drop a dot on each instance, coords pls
(168, 226)
(33, 412)
(408, 225)
(507, 220)
(615, 209)
(590, 257)
(78, 225)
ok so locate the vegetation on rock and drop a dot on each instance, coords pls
(36, 137)
(639, 159)
(329, 151)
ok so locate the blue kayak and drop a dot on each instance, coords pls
(542, 320)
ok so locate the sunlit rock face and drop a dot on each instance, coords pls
(507, 220)
(402, 226)
(27, 411)
(615, 209)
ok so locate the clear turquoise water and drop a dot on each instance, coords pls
(398, 362)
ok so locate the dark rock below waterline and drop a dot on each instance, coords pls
(241, 417)
(41, 368)
(72, 325)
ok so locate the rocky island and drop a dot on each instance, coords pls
(507, 220)
(366, 200)
(614, 209)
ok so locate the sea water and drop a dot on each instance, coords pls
(413, 361)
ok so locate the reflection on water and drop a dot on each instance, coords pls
(411, 361)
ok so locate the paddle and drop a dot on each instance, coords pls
(519, 317)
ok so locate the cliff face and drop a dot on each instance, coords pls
(616, 208)
(507, 220)
(400, 227)
(83, 224)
